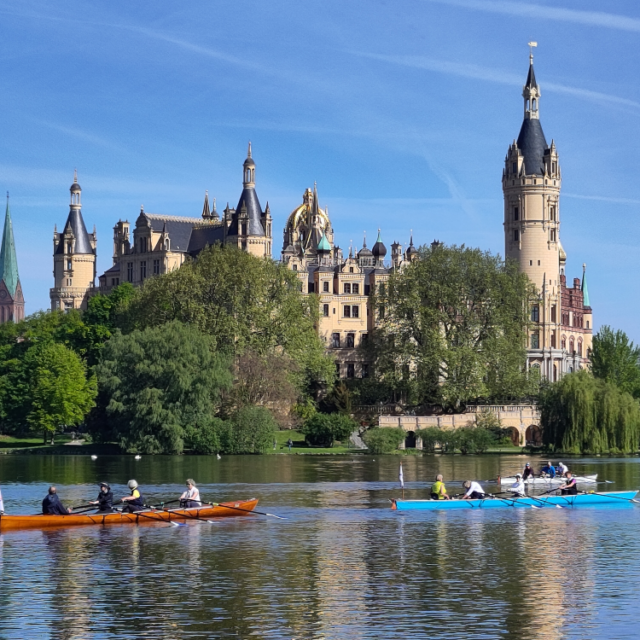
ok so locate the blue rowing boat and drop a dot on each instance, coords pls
(581, 500)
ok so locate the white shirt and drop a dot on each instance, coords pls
(191, 494)
(518, 487)
(474, 487)
(563, 469)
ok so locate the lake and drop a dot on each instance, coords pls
(342, 565)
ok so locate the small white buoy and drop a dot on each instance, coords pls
(138, 457)
(218, 456)
(94, 457)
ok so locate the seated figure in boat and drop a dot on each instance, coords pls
(191, 497)
(562, 469)
(135, 500)
(570, 486)
(474, 490)
(528, 472)
(517, 488)
(105, 499)
(548, 470)
(438, 490)
(51, 505)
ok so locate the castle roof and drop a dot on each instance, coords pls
(532, 144)
(76, 222)
(8, 258)
(248, 198)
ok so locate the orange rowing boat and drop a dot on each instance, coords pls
(222, 510)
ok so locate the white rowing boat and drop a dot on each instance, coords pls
(550, 481)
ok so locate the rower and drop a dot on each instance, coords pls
(549, 470)
(570, 486)
(517, 488)
(51, 505)
(527, 473)
(474, 490)
(105, 499)
(562, 469)
(191, 497)
(438, 490)
(135, 500)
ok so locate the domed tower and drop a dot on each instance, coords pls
(531, 182)
(379, 252)
(74, 258)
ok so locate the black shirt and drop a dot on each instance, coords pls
(52, 506)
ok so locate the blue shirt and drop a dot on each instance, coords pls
(549, 470)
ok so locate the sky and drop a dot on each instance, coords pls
(401, 110)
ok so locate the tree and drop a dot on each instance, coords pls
(155, 384)
(323, 429)
(249, 430)
(384, 440)
(242, 302)
(584, 414)
(615, 359)
(453, 328)
(59, 392)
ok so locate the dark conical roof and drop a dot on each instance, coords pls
(83, 243)
(531, 78)
(532, 144)
(248, 198)
(8, 260)
(379, 250)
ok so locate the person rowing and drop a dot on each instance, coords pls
(474, 490)
(135, 500)
(570, 486)
(517, 488)
(191, 497)
(527, 473)
(548, 470)
(562, 469)
(105, 499)
(438, 490)
(51, 505)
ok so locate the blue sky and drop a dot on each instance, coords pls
(401, 110)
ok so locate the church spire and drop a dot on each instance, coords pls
(531, 90)
(8, 258)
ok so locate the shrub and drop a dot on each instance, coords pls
(249, 430)
(383, 440)
(207, 437)
(323, 429)
(431, 438)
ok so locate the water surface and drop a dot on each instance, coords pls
(343, 565)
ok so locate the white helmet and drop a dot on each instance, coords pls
(132, 484)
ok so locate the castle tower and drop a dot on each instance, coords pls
(74, 258)
(11, 298)
(248, 226)
(531, 182)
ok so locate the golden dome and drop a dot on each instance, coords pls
(301, 215)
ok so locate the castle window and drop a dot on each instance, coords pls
(156, 267)
(516, 213)
(365, 370)
(531, 263)
(535, 340)
(553, 313)
(346, 311)
(535, 313)
(572, 347)
(552, 213)
(514, 167)
(350, 269)
(355, 288)
(325, 310)
(68, 265)
(563, 343)
(355, 311)
(347, 287)
(580, 348)
(351, 370)
(538, 262)
(143, 270)
(69, 248)
(516, 235)
(364, 339)
(295, 267)
(554, 167)
(351, 340)
(588, 324)
(553, 339)
(243, 229)
(166, 244)
(325, 286)
(311, 287)
(553, 235)
(335, 340)
(129, 271)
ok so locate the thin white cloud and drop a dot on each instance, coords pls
(602, 198)
(493, 75)
(549, 12)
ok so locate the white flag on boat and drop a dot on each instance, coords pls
(401, 476)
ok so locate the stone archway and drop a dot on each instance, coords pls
(533, 435)
(410, 440)
(514, 434)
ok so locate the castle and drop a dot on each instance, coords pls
(561, 334)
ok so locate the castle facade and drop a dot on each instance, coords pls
(562, 325)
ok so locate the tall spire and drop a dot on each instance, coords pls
(8, 259)
(585, 290)
(249, 150)
(531, 90)
(206, 213)
(316, 206)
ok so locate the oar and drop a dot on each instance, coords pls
(171, 522)
(543, 502)
(261, 513)
(607, 495)
(513, 501)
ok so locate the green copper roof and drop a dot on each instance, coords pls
(324, 245)
(585, 291)
(8, 260)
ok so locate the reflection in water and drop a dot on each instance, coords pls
(343, 565)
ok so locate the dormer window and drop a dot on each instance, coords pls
(350, 269)
(347, 287)
(514, 168)
(516, 213)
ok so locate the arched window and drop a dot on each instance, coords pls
(580, 348)
(572, 347)
(564, 343)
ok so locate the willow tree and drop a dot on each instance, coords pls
(453, 328)
(615, 358)
(583, 414)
